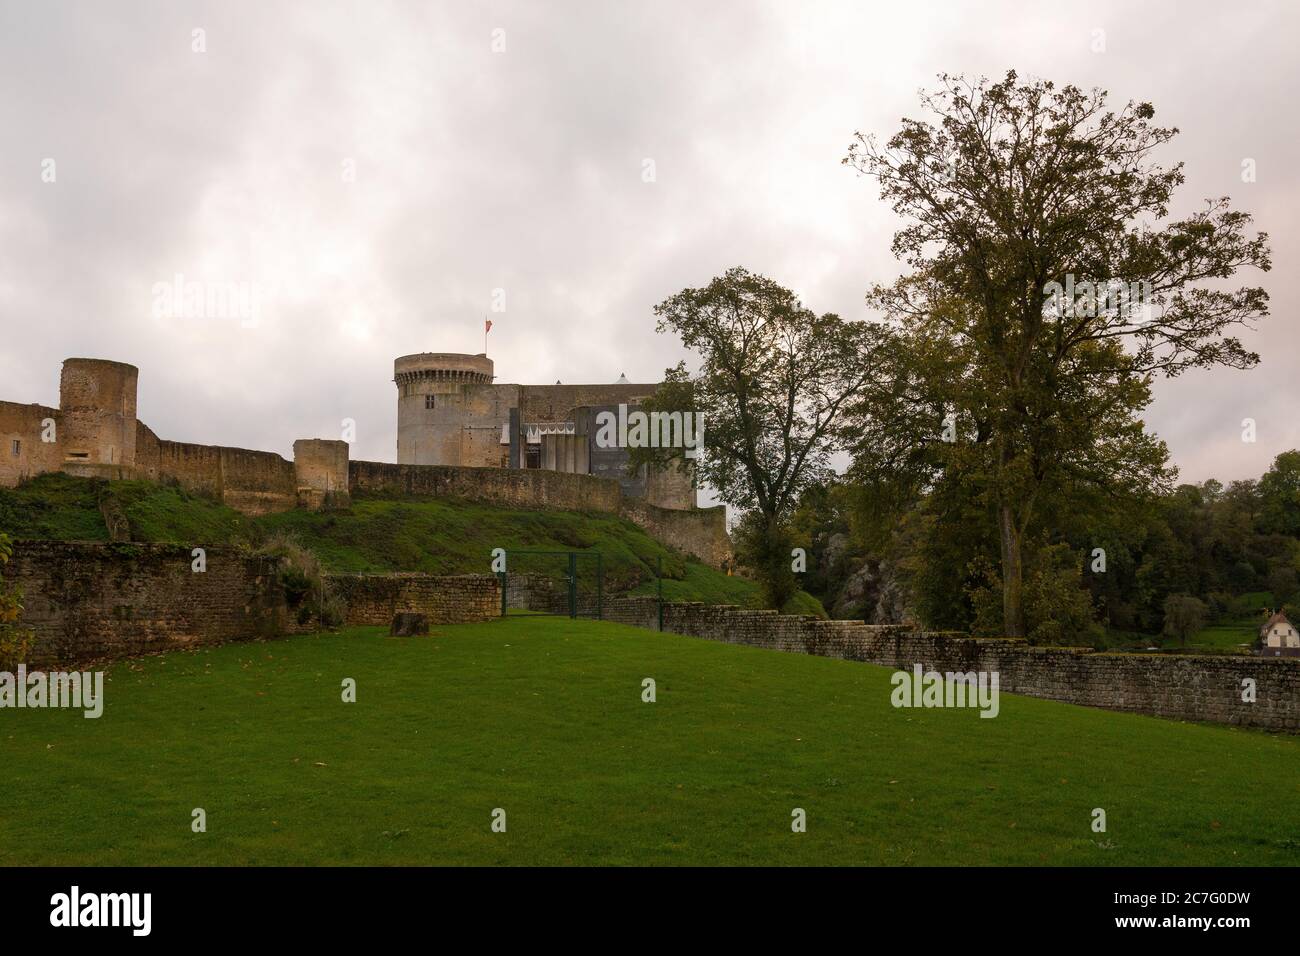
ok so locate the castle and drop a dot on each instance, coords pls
(450, 411)
(459, 435)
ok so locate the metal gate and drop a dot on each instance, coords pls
(566, 583)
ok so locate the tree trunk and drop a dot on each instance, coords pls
(1013, 613)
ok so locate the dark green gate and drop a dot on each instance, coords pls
(565, 583)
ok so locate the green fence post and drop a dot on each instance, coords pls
(659, 583)
(501, 576)
(573, 584)
(600, 587)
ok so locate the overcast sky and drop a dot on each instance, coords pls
(375, 171)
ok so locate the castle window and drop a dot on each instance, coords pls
(428, 401)
(17, 447)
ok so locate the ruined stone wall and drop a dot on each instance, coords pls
(148, 449)
(321, 471)
(671, 486)
(701, 532)
(91, 601)
(1183, 687)
(30, 456)
(196, 468)
(373, 599)
(257, 482)
(254, 482)
(514, 488)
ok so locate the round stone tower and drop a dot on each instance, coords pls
(97, 428)
(448, 410)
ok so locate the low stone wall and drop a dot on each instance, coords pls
(1182, 687)
(89, 601)
(373, 599)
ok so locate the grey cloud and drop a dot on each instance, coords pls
(522, 170)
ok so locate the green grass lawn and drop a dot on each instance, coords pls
(543, 717)
(1234, 633)
(1223, 638)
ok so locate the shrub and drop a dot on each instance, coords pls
(1218, 604)
(303, 580)
(1184, 616)
(15, 640)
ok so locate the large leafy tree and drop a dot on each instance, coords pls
(1184, 616)
(772, 384)
(1048, 286)
(1279, 495)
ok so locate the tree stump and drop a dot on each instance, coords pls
(408, 624)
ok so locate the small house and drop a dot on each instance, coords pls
(1278, 638)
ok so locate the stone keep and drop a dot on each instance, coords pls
(452, 412)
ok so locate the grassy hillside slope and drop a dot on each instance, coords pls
(438, 536)
(544, 719)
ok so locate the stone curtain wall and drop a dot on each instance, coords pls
(700, 532)
(22, 424)
(321, 469)
(515, 488)
(373, 599)
(1182, 687)
(253, 482)
(88, 601)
